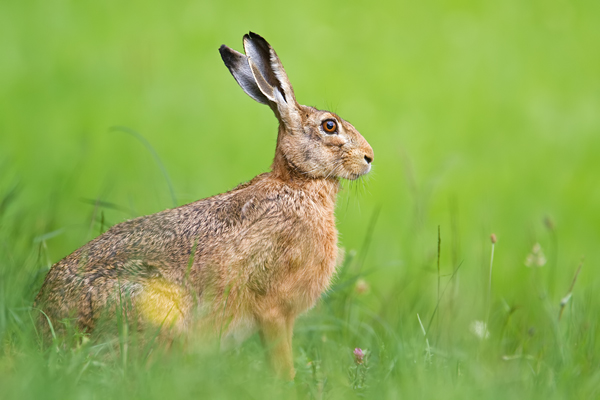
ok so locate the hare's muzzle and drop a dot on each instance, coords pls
(368, 156)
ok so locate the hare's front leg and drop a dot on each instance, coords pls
(276, 330)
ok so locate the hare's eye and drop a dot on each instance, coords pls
(329, 126)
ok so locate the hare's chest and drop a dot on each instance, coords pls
(312, 268)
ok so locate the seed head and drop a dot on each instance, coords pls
(361, 286)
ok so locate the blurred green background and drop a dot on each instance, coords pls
(483, 116)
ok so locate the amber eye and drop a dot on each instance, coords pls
(329, 126)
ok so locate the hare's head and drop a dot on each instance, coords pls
(311, 142)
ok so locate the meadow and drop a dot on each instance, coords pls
(484, 118)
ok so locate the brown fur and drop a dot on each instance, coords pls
(252, 258)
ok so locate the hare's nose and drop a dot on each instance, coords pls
(368, 154)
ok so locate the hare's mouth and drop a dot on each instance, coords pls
(352, 176)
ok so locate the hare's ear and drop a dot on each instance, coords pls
(268, 71)
(263, 78)
(237, 63)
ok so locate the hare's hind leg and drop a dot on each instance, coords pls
(276, 333)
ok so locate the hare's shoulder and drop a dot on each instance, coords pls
(262, 197)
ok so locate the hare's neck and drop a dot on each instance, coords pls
(321, 190)
(318, 188)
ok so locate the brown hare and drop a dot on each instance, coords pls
(253, 258)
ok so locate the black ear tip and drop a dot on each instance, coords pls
(226, 55)
(256, 38)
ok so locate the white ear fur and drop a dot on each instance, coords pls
(279, 99)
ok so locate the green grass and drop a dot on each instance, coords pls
(483, 117)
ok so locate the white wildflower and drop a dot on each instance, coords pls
(479, 329)
(536, 258)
